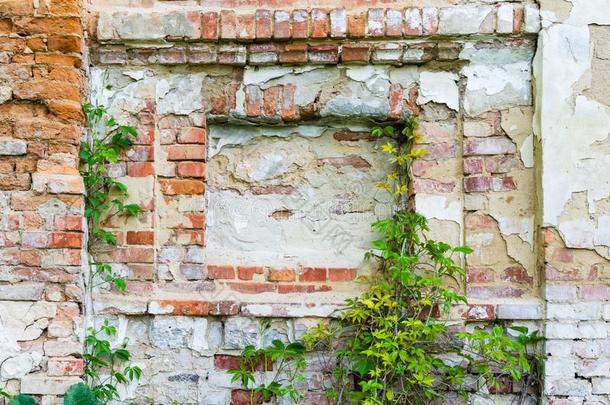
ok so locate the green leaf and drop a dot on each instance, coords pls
(22, 399)
(80, 394)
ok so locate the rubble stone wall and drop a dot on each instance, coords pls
(257, 175)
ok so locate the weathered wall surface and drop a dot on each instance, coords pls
(256, 173)
(41, 87)
(573, 121)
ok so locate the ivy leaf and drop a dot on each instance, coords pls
(132, 210)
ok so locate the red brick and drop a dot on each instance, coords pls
(480, 312)
(290, 111)
(375, 22)
(68, 223)
(192, 135)
(395, 101)
(432, 186)
(491, 145)
(140, 169)
(293, 54)
(506, 183)
(253, 101)
(64, 43)
(281, 275)
(594, 292)
(342, 274)
(320, 26)
(324, 53)
(480, 222)
(139, 153)
(480, 275)
(225, 272)
(181, 187)
(264, 24)
(355, 53)
(65, 366)
(223, 308)
(430, 20)
(66, 240)
(247, 272)
(505, 386)
(245, 26)
(474, 184)
(436, 151)
(501, 163)
(253, 288)
(356, 25)
(228, 362)
(271, 100)
(473, 165)
(191, 169)
(172, 56)
(210, 25)
(48, 25)
(228, 24)
(300, 24)
(245, 397)
(494, 292)
(393, 27)
(310, 274)
(282, 25)
(55, 59)
(518, 18)
(302, 289)
(186, 307)
(186, 152)
(562, 255)
(517, 274)
(37, 89)
(140, 237)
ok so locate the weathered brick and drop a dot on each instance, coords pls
(300, 24)
(281, 27)
(65, 367)
(264, 24)
(480, 312)
(281, 275)
(186, 152)
(355, 53)
(221, 272)
(191, 169)
(338, 23)
(181, 187)
(320, 27)
(210, 25)
(342, 274)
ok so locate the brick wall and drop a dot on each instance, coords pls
(573, 116)
(256, 173)
(41, 87)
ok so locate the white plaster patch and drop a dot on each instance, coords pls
(440, 87)
(527, 152)
(496, 87)
(439, 207)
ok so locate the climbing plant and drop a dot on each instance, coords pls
(392, 345)
(105, 199)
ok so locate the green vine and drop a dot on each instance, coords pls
(391, 345)
(105, 199)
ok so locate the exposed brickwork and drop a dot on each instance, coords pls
(258, 203)
(41, 225)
